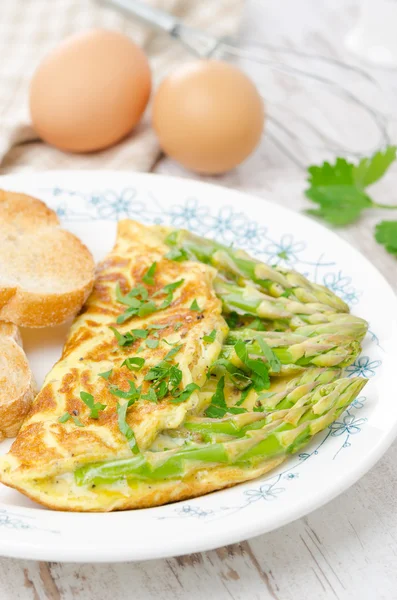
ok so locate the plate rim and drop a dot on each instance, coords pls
(240, 531)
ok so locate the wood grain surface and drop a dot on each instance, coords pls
(348, 548)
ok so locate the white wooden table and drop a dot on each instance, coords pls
(346, 549)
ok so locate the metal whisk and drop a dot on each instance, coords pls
(204, 45)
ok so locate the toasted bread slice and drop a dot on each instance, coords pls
(46, 273)
(17, 385)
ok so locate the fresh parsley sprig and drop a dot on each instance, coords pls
(386, 234)
(340, 191)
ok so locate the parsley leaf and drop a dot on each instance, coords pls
(257, 324)
(140, 333)
(339, 204)
(173, 352)
(151, 395)
(65, 417)
(106, 374)
(259, 372)
(169, 290)
(239, 378)
(148, 278)
(372, 169)
(152, 343)
(210, 339)
(131, 395)
(177, 254)
(95, 407)
(218, 407)
(125, 428)
(186, 393)
(232, 320)
(339, 189)
(123, 340)
(268, 353)
(194, 306)
(133, 364)
(386, 234)
(130, 298)
(147, 308)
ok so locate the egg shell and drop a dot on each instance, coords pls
(90, 91)
(208, 116)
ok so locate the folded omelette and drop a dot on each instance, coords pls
(122, 420)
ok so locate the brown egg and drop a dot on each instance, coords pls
(208, 116)
(90, 91)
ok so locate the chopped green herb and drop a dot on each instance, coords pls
(177, 254)
(165, 377)
(210, 339)
(194, 306)
(147, 308)
(133, 364)
(259, 372)
(95, 407)
(218, 406)
(169, 290)
(65, 417)
(106, 374)
(240, 379)
(244, 395)
(130, 312)
(232, 320)
(286, 294)
(171, 287)
(169, 343)
(140, 333)
(154, 326)
(268, 353)
(173, 352)
(175, 378)
(132, 395)
(148, 278)
(125, 428)
(177, 326)
(129, 299)
(152, 344)
(123, 340)
(186, 393)
(151, 395)
(257, 324)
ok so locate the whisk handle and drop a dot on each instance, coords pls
(154, 17)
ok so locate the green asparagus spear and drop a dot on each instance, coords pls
(237, 264)
(248, 300)
(293, 351)
(281, 436)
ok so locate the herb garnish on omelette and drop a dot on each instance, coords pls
(154, 399)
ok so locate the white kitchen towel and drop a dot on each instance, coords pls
(29, 29)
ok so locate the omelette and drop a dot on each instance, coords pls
(104, 360)
(143, 408)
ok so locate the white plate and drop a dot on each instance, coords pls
(89, 204)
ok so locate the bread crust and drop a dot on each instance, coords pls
(17, 385)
